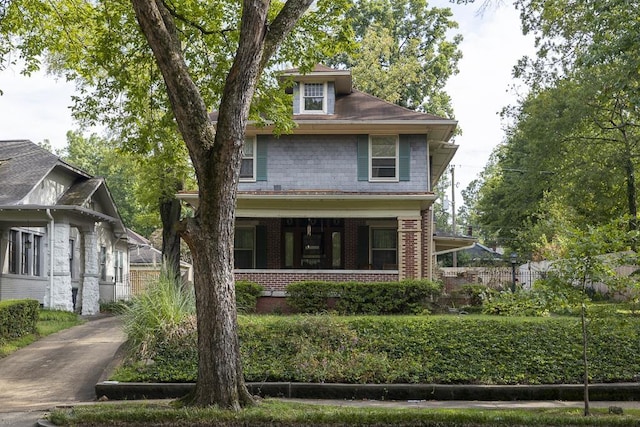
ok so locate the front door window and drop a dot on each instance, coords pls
(313, 243)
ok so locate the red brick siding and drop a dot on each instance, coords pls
(351, 242)
(427, 235)
(409, 245)
(277, 280)
(274, 242)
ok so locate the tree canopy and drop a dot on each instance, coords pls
(404, 53)
(571, 150)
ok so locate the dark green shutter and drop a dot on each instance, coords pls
(261, 246)
(363, 247)
(363, 157)
(261, 158)
(404, 156)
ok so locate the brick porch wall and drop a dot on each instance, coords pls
(410, 238)
(427, 244)
(277, 280)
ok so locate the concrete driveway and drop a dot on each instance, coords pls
(61, 369)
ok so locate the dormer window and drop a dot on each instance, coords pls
(314, 98)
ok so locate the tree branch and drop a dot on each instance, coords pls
(282, 25)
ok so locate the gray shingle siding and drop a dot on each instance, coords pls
(328, 162)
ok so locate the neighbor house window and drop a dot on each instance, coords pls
(25, 248)
(37, 255)
(248, 168)
(383, 159)
(103, 263)
(13, 252)
(384, 248)
(24, 253)
(243, 248)
(313, 98)
(119, 267)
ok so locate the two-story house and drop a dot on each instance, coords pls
(62, 241)
(347, 196)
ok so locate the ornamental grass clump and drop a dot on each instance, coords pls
(165, 313)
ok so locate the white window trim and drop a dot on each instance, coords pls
(324, 99)
(395, 178)
(255, 163)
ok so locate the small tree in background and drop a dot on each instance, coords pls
(587, 257)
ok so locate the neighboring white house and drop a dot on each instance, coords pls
(62, 241)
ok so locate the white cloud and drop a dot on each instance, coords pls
(35, 108)
(492, 45)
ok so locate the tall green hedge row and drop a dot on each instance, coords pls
(413, 349)
(18, 318)
(404, 297)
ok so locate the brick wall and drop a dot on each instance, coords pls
(351, 242)
(410, 238)
(427, 244)
(277, 280)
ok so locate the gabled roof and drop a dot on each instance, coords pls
(23, 165)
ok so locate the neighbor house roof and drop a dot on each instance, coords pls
(25, 165)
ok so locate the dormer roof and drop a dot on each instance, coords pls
(321, 73)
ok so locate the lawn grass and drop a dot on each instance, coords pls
(274, 412)
(49, 322)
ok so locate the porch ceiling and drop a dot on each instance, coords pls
(262, 204)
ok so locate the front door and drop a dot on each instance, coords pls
(313, 243)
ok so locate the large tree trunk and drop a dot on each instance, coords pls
(170, 216)
(216, 157)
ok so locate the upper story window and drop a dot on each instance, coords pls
(248, 168)
(314, 98)
(383, 157)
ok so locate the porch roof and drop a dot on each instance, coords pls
(36, 215)
(341, 204)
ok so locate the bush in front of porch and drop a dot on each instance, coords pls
(349, 298)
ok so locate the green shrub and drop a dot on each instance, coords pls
(413, 349)
(405, 297)
(247, 294)
(310, 296)
(476, 294)
(18, 318)
(545, 298)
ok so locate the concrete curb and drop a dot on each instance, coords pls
(113, 390)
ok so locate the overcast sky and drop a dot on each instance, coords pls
(37, 108)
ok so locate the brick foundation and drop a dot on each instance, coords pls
(277, 280)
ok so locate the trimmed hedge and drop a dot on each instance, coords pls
(413, 349)
(247, 294)
(404, 297)
(18, 318)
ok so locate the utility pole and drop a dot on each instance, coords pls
(453, 211)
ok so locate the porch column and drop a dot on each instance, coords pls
(58, 295)
(410, 246)
(91, 274)
(427, 244)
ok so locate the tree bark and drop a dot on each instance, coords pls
(216, 157)
(170, 216)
